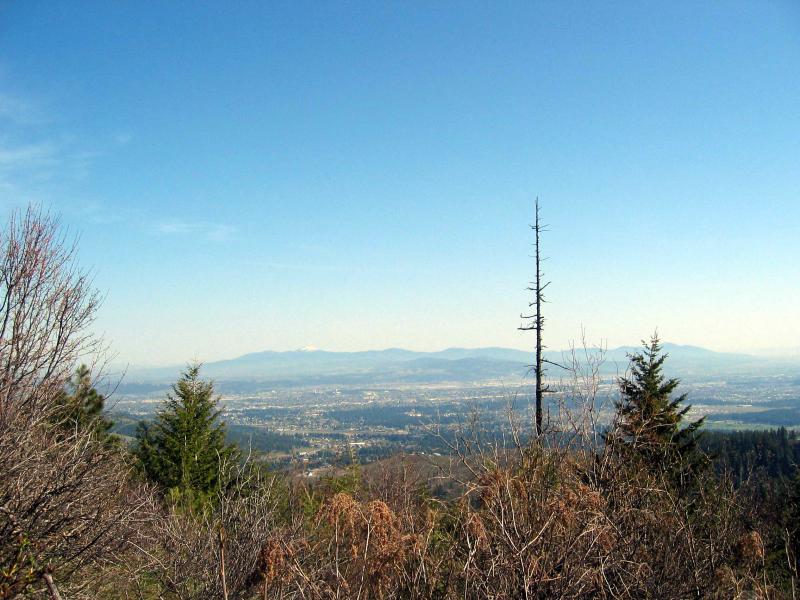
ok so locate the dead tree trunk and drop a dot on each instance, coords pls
(536, 320)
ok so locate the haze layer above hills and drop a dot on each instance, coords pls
(464, 365)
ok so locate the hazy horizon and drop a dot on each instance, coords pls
(356, 176)
(791, 353)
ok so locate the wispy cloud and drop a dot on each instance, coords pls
(41, 170)
(19, 111)
(27, 155)
(216, 232)
(40, 160)
(24, 167)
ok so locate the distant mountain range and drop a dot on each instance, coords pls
(396, 365)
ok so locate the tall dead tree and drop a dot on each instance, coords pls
(536, 320)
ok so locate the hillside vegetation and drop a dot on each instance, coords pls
(637, 509)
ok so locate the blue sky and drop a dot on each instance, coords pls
(250, 176)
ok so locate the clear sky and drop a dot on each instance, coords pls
(350, 175)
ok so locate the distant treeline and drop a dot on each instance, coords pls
(748, 455)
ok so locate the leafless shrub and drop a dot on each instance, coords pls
(228, 551)
(363, 549)
(46, 306)
(63, 505)
(62, 491)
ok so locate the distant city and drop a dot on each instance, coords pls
(315, 408)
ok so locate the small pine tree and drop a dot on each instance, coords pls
(183, 450)
(81, 406)
(650, 422)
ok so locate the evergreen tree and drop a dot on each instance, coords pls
(183, 449)
(81, 405)
(650, 421)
